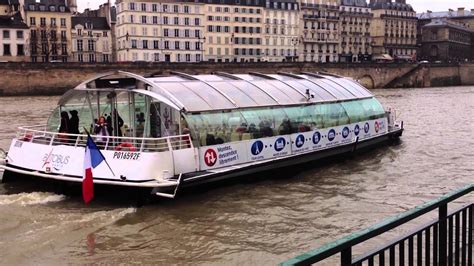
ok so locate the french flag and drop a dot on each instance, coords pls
(92, 159)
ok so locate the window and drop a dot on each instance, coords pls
(64, 48)
(165, 20)
(186, 21)
(176, 32)
(43, 22)
(53, 22)
(186, 9)
(155, 20)
(145, 44)
(6, 49)
(80, 45)
(134, 44)
(6, 34)
(132, 6)
(166, 32)
(20, 48)
(19, 34)
(104, 34)
(154, 7)
(197, 33)
(167, 45)
(175, 9)
(144, 19)
(156, 45)
(91, 58)
(143, 7)
(79, 32)
(63, 35)
(187, 46)
(90, 45)
(176, 45)
(80, 58)
(176, 21)
(32, 21)
(197, 21)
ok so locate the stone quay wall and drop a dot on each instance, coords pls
(55, 78)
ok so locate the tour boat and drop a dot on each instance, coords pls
(178, 130)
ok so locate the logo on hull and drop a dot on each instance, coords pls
(299, 141)
(280, 144)
(257, 147)
(316, 137)
(331, 135)
(210, 157)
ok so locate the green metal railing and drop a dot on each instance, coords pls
(445, 241)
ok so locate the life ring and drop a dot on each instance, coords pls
(126, 146)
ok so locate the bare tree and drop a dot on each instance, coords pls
(48, 44)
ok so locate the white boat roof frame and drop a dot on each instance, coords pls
(225, 91)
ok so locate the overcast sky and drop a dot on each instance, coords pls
(419, 5)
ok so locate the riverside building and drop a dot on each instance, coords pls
(13, 33)
(92, 39)
(170, 31)
(281, 34)
(49, 22)
(394, 29)
(446, 40)
(320, 31)
(233, 31)
(356, 42)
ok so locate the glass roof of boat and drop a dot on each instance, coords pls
(221, 91)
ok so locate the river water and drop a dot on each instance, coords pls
(255, 222)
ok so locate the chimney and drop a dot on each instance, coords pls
(461, 12)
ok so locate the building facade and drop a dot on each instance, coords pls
(49, 22)
(233, 31)
(169, 31)
(281, 32)
(356, 41)
(13, 33)
(91, 40)
(446, 40)
(320, 31)
(394, 29)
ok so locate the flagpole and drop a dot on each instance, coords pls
(110, 168)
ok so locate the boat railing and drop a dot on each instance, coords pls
(40, 135)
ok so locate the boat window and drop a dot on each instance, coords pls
(355, 111)
(76, 105)
(373, 109)
(212, 97)
(254, 92)
(318, 90)
(191, 100)
(240, 98)
(332, 114)
(211, 128)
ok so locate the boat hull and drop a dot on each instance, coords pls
(206, 177)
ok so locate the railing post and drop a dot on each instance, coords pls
(346, 257)
(443, 234)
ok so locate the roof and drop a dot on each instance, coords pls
(4, 2)
(223, 91)
(358, 3)
(47, 6)
(392, 6)
(447, 23)
(445, 14)
(12, 22)
(95, 23)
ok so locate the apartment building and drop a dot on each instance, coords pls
(281, 34)
(49, 22)
(320, 31)
(13, 33)
(356, 41)
(169, 31)
(394, 29)
(92, 40)
(233, 30)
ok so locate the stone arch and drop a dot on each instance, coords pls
(367, 81)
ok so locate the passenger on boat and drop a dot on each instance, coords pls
(265, 128)
(63, 127)
(118, 122)
(101, 129)
(285, 127)
(73, 126)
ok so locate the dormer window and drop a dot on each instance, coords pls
(31, 7)
(42, 8)
(52, 8)
(62, 9)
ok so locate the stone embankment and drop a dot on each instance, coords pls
(56, 78)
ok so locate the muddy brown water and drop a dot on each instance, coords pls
(254, 222)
